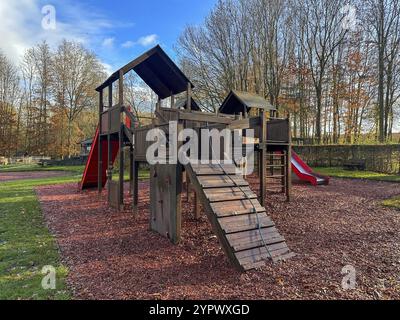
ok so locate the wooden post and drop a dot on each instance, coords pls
(189, 96)
(172, 101)
(100, 158)
(159, 103)
(109, 151)
(187, 187)
(176, 201)
(121, 88)
(131, 159)
(197, 213)
(262, 157)
(289, 162)
(121, 137)
(283, 163)
(135, 193)
(121, 165)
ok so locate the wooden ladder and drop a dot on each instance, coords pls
(246, 232)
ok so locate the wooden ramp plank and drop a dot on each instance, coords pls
(260, 250)
(229, 194)
(220, 181)
(215, 169)
(237, 207)
(232, 224)
(246, 232)
(252, 262)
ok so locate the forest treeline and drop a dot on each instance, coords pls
(333, 65)
(48, 101)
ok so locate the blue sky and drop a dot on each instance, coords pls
(117, 30)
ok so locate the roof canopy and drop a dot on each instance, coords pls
(157, 70)
(236, 101)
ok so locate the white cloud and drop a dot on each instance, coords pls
(108, 42)
(128, 44)
(21, 26)
(148, 40)
(145, 41)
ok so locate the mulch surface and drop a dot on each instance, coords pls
(114, 255)
(10, 176)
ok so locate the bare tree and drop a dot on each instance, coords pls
(383, 25)
(76, 72)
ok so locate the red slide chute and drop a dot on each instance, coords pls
(305, 173)
(89, 178)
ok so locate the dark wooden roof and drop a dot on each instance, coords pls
(181, 104)
(157, 70)
(237, 100)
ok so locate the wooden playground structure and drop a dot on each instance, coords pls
(238, 216)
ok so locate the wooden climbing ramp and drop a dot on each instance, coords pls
(246, 232)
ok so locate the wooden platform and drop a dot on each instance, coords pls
(246, 232)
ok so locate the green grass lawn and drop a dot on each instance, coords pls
(35, 167)
(143, 173)
(26, 244)
(369, 175)
(393, 202)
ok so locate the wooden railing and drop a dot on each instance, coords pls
(111, 120)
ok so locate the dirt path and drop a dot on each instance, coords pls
(113, 255)
(10, 176)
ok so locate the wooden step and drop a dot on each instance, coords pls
(246, 222)
(222, 181)
(257, 261)
(237, 207)
(215, 169)
(229, 194)
(252, 239)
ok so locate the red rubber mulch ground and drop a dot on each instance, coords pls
(113, 255)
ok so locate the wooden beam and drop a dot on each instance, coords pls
(158, 103)
(121, 88)
(289, 163)
(197, 209)
(121, 165)
(135, 184)
(262, 157)
(131, 169)
(172, 101)
(247, 123)
(189, 96)
(109, 153)
(100, 159)
(176, 201)
(211, 118)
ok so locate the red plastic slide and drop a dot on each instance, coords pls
(304, 172)
(89, 178)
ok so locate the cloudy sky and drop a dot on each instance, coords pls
(116, 30)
